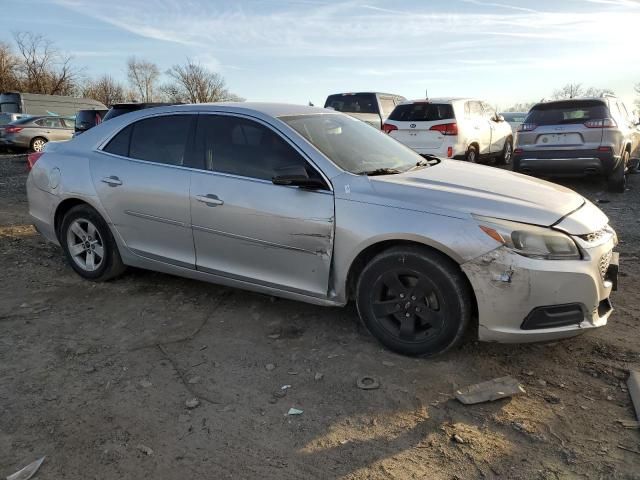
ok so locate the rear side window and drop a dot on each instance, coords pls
(422, 112)
(243, 147)
(560, 113)
(353, 103)
(119, 145)
(49, 122)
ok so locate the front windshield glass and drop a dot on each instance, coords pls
(352, 144)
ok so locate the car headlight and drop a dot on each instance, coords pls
(530, 240)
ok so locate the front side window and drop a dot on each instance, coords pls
(243, 147)
(352, 144)
(473, 109)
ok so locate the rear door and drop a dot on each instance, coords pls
(417, 122)
(244, 226)
(143, 185)
(564, 125)
(479, 128)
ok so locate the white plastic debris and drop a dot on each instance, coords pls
(295, 411)
(27, 472)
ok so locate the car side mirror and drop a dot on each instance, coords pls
(296, 176)
(83, 126)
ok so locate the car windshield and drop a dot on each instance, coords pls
(422, 112)
(353, 145)
(571, 111)
(514, 117)
(353, 103)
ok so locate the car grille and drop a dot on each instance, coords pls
(603, 265)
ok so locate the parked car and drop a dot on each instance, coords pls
(514, 119)
(370, 107)
(314, 205)
(459, 128)
(38, 104)
(585, 136)
(118, 109)
(86, 119)
(6, 118)
(34, 132)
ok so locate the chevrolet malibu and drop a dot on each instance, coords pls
(313, 205)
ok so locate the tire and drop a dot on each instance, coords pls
(617, 181)
(472, 154)
(414, 301)
(507, 152)
(89, 245)
(37, 144)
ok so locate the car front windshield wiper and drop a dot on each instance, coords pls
(380, 171)
(425, 162)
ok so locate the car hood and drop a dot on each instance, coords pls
(454, 187)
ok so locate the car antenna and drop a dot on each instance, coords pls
(426, 94)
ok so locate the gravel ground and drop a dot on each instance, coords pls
(98, 378)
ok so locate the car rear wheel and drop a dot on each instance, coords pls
(507, 152)
(472, 154)
(38, 143)
(414, 301)
(89, 245)
(617, 181)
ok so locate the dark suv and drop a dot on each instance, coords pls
(118, 109)
(581, 136)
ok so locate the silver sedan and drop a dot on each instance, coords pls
(313, 205)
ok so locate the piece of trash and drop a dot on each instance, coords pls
(633, 384)
(489, 391)
(27, 472)
(269, 367)
(333, 355)
(285, 387)
(367, 383)
(629, 424)
(295, 411)
(622, 447)
(603, 200)
(144, 383)
(192, 403)
(195, 379)
(318, 376)
(279, 394)
(388, 364)
(274, 336)
(144, 449)
(457, 438)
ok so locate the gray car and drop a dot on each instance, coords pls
(313, 205)
(34, 132)
(581, 136)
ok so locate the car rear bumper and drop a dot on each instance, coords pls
(522, 299)
(565, 162)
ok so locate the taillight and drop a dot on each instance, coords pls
(446, 128)
(518, 150)
(388, 128)
(32, 158)
(12, 129)
(604, 149)
(527, 127)
(601, 123)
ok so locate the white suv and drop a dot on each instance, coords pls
(460, 128)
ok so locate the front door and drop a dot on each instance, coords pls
(143, 186)
(244, 226)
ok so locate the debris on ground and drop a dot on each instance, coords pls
(194, 380)
(269, 367)
(552, 398)
(367, 382)
(192, 403)
(285, 387)
(632, 424)
(295, 411)
(318, 376)
(27, 472)
(629, 449)
(144, 449)
(633, 384)
(145, 383)
(490, 390)
(386, 363)
(457, 438)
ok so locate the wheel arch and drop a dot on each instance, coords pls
(66, 205)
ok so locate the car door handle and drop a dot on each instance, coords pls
(210, 199)
(112, 181)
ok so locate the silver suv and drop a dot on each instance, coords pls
(582, 136)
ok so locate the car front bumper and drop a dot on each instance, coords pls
(522, 299)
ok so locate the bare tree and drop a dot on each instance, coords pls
(194, 83)
(570, 90)
(520, 107)
(598, 92)
(8, 68)
(42, 68)
(143, 77)
(104, 89)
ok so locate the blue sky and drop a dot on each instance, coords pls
(504, 51)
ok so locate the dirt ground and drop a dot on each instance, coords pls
(97, 376)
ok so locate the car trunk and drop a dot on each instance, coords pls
(422, 124)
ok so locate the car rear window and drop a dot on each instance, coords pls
(116, 112)
(353, 103)
(560, 113)
(422, 112)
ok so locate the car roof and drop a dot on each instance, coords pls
(366, 93)
(438, 100)
(576, 99)
(268, 109)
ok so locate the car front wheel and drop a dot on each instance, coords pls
(414, 301)
(472, 154)
(89, 245)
